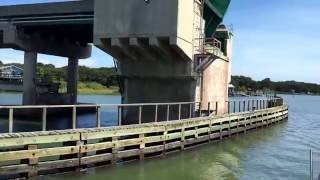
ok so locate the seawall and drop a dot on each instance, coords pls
(40, 153)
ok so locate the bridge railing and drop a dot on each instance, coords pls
(137, 112)
(207, 45)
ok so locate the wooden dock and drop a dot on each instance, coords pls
(47, 152)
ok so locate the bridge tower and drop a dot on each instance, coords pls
(154, 42)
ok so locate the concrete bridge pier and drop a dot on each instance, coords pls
(73, 75)
(153, 43)
(29, 78)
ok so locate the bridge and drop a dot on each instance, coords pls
(165, 50)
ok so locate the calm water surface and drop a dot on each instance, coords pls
(279, 152)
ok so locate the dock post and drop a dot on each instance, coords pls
(228, 107)
(244, 106)
(200, 113)
(44, 119)
(156, 114)
(190, 110)
(183, 138)
(115, 151)
(119, 115)
(168, 112)
(32, 162)
(217, 106)
(209, 108)
(10, 120)
(179, 114)
(252, 105)
(74, 117)
(140, 114)
(142, 146)
(98, 117)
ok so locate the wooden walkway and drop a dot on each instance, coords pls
(38, 153)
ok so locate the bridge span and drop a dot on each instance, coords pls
(165, 50)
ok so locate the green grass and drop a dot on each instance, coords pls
(96, 88)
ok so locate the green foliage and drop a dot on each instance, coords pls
(243, 83)
(90, 85)
(103, 76)
(94, 78)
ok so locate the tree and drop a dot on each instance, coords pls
(1, 63)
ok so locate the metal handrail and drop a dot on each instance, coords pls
(204, 42)
(196, 109)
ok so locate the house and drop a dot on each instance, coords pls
(11, 71)
(231, 89)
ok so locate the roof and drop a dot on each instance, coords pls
(230, 86)
(11, 66)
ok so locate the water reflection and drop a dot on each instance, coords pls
(215, 161)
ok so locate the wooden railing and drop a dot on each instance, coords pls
(40, 153)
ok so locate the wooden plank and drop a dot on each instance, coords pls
(152, 139)
(50, 165)
(20, 141)
(96, 159)
(174, 126)
(128, 153)
(153, 149)
(42, 166)
(190, 133)
(96, 147)
(203, 130)
(214, 135)
(27, 154)
(173, 136)
(14, 169)
(127, 142)
(215, 128)
(173, 145)
(121, 131)
(197, 140)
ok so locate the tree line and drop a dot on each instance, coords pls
(106, 76)
(243, 83)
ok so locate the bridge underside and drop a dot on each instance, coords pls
(61, 29)
(152, 42)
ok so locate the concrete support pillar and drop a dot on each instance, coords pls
(73, 74)
(29, 78)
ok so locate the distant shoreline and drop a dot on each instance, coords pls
(105, 91)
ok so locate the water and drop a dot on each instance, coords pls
(278, 152)
(108, 114)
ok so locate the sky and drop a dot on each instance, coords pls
(275, 39)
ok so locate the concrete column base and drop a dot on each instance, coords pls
(73, 74)
(153, 90)
(29, 78)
